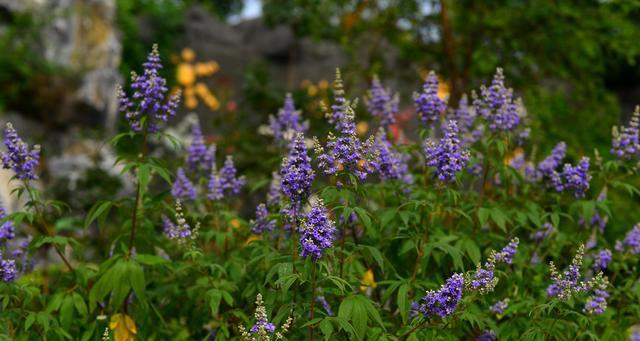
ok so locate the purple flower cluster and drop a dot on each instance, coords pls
(381, 104)
(182, 187)
(149, 105)
(507, 253)
(428, 105)
(225, 182)
(447, 157)
(574, 179)
(199, 157)
(391, 164)
(602, 260)
(626, 141)
(325, 305)
(180, 230)
(465, 115)
(597, 302)
(444, 301)
(566, 284)
(287, 123)
(500, 306)
(18, 157)
(548, 166)
(296, 173)
(497, 105)
(7, 229)
(542, 233)
(344, 151)
(318, 233)
(631, 241)
(8, 270)
(262, 223)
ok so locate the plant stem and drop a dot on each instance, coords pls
(313, 298)
(134, 217)
(47, 229)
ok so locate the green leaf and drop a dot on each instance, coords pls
(137, 281)
(376, 255)
(80, 305)
(31, 317)
(483, 215)
(144, 176)
(499, 218)
(99, 209)
(327, 328)
(150, 260)
(403, 301)
(66, 312)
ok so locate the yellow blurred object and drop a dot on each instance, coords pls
(186, 74)
(368, 281)
(253, 238)
(190, 101)
(340, 167)
(124, 327)
(312, 90)
(188, 55)
(306, 83)
(206, 69)
(323, 84)
(362, 128)
(443, 89)
(509, 157)
(235, 223)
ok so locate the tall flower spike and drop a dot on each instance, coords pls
(182, 187)
(149, 104)
(597, 302)
(18, 157)
(199, 157)
(225, 182)
(568, 283)
(602, 260)
(262, 223)
(391, 164)
(381, 104)
(8, 271)
(447, 157)
(296, 173)
(625, 143)
(549, 165)
(7, 229)
(344, 150)
(484, 280)
(497, 105)
(507, 253)
(318, 233)
(288, 122)
(428, 105)
(180, 231)
(444, 301)
(263, 329)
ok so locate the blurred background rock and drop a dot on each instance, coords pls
(574, 63)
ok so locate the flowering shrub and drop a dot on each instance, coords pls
(358, 238)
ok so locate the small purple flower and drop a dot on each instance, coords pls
(444, 301)
(325, 305)
(507, 253)
(487, 335)
(542, 233)
(497, 105)
(225, 182)
(8, 271)
(182, 187)
(447, 157)
(428, 105)
(7, 229)
(602, 260)
(262, 223)
(199, 157)
(287, 123)
(574, 179)
(631, 241)
(625, 143)
(391, 164)
(148, 105)
(181, 230)
(18, 157)
(318, 233)
(500, 306)
(381, 104)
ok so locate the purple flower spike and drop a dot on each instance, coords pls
(444, 301)
(7, 229)
(199, 157)
(625, 144)
(391, 164)
(296, 173)
(381, 104)
(497, 105)
(288, 122)
(149, 104)
(18, 157)
(602, 260)
(500, 306)
(447, 157)
(428, 105)
(262, 223)
(318, 233)
(631, 241)
(182, 187)
(574, 179)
